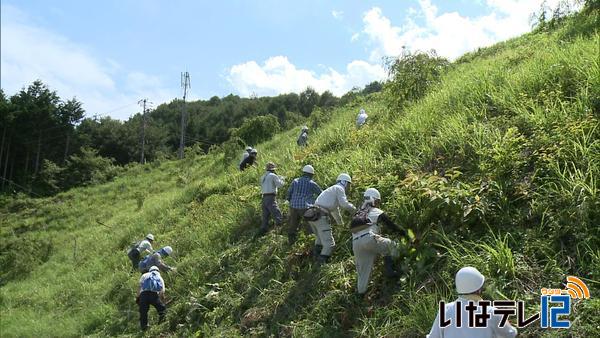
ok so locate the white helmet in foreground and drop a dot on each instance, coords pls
(468, 280)
(344, 177)
(308, 169)
(372, 193)
(150, 237)
(153, 268)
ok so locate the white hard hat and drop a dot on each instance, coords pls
(253, 151)
(468, 280)
(150, 237)
(248, 148)
(153, 268)
(372, 193)
(308, 169)
(167, 250)
(344, 177)
(305, 128)
(362, 111)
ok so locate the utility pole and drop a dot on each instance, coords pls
(185, 84)
(143, 103)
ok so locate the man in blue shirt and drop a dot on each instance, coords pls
(302, 192)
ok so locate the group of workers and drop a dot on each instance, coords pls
(320, 208)
(151, 287)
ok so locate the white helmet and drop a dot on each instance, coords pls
(253, 151)
(167, 250)
(308, 169)
(150, 237)
(248, 149)
(372, 193)
(305, 128)
(344, 177)
(153, 268)
(468, 280)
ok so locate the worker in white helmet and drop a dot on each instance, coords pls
(246, 154)
(469, 285)
(361, 118)
(136, 250)
(303, 138)
(250, 160)
(328, 206)
(301, 194)
(156, 259)
(367, 243)
(151, 291)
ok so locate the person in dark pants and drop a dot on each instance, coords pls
(249, 161)
(151, 292)
(136, 250)
(269, 183)
(301, 194)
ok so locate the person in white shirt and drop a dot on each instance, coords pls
(151, 291)
(469, 284)
(135, 252)
(367, 243)
(361, 119)
(269, 183)
(329, 203)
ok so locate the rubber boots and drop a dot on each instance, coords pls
(317, 250)
(388, 265)
(322, 259)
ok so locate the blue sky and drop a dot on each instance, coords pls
(109, 54)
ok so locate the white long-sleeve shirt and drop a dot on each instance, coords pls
(361, 118)
(491, 331)
(145, 246)
(332, 199)
(270, 182)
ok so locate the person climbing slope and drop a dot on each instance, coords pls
(140, 247)
(328, 205)
(245, 154)
(151, 291)
(269, 183)
(303, 138)
(367, 243)
(301, 194)
(249, 161)
(156, 259)
(361, 119)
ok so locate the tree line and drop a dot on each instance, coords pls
(49, 144)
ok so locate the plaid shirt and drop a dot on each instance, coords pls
(303, 192)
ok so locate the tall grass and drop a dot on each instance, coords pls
(497, 167)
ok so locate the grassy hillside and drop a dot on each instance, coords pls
(497, 167)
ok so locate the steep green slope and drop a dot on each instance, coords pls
(497, 167)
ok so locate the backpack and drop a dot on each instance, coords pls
(152, 283)
(361, 217)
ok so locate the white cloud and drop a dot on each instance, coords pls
(278, 75)
(450, 34)
(338, 15)
(30, 52)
